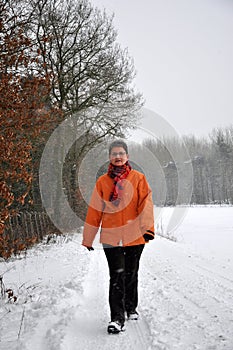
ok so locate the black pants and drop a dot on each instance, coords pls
(123, 265)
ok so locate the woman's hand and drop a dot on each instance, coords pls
(149, 235)
(89, 248)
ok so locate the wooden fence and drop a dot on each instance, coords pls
(26, 225)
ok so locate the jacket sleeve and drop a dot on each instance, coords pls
(93, 217)
(146, 208)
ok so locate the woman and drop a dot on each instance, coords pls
(121, 204)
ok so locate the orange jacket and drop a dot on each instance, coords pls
(126, 223)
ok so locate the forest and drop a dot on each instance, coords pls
(211, 159)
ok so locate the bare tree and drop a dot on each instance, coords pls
(223, 156)
(91, 74)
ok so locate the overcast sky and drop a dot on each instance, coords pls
(183, 55)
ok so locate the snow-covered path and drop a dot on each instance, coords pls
(186, 295)
(88, 328)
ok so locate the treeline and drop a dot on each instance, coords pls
(200, 168)
(58, 59)
(211, 159)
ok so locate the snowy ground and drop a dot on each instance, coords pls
(186, 292)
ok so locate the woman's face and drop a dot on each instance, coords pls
(118, 156)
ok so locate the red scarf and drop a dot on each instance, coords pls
(118, 173)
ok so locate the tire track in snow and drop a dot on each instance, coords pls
(221, 280)
(194, 298)
(213, 289)
(139, 332)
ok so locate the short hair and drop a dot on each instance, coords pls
(118, 143)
